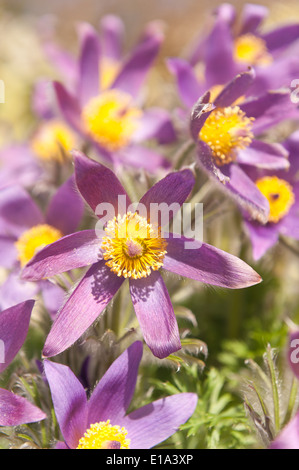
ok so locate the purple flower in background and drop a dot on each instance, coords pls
(282, 191)
(103, 106)
(101, 422)
(130, 247)
(226, 132)
(19, 166)
(24, 230)
(288, 438)
(238, 42)
(14, 323)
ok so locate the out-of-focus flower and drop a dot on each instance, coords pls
(288, 438)
(24, 230)
(19, 166)
(103, 106)
(101, 422)
(237, 42)
(225, 133)
(14, 323)
(131, 246)
(282, 191)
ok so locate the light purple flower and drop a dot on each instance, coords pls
(226, 132)
(285, 188)
(25, 229)
(237, 42)
(146, 427)
(106, 97)
(14, 323)
(19, 166)
(150, 297)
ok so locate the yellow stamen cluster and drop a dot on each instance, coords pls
(226, 131)
(251, 50)
(103, 436)
(108, 71)
(34, 239)
(110, 119)
(133, 247)
(53, 141)
(279, 194)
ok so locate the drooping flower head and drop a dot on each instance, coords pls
(131, 246)
(14, 323)
(101, 422)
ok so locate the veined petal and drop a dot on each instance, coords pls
(288, 438)
(237, 87)
(155, 422)
(98, 184)
(262, 237)
(72, 251)
(15, 410)
(66, 208)
(112, 396)
(205, 263)
(264, 155)
(155, 314)
(85, 304)
(69, 400)
(14, 324)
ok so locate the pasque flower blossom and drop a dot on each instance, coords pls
(103, 106)
(281, 188)
(24, 230)
(14, 323)
(125, 249)
(226, 134)
(101, 422)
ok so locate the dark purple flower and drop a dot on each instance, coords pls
(14, 323)
(226, 132)
(101, 422)
(103, 106)
(135, 255)
(281, 188)
(24, 229)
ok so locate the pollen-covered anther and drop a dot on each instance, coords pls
(251, 50)
(103, 435)
(34, 239)
(279, 194)
(111, 119)
(226, 131)
(132, 247)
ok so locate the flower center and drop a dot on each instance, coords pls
(53, 141)
(226, 131)
(252, 50)
(279, 194)
(133, 247)
(34, 239)
(108, 71)
(104, 436)
(110, 119)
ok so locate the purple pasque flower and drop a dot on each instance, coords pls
(104, 105)
(288, 438)
(101, 422)
(14, 323)
(281, 188)
(238, 42)
(130, 247)
(24, 229)
(226, 132)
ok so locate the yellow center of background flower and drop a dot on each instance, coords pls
(251, 50)
(279, 194)
(111, 119)
(34, 239)
(133, 247)
(53, 141)
(103, 436)
(226, 131)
